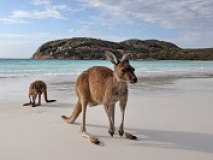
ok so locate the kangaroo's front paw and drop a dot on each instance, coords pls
(121, 132)
(111, 132)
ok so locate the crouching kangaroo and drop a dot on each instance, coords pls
(101, 85)
(37, 88)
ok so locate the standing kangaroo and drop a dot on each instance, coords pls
(101, 85)
(37, 88)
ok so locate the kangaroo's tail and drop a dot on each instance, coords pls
(27, 104)
(50, 100)
(46, 99)
(75, 114)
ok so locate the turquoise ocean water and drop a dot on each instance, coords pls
(50, 68)
(60, 75)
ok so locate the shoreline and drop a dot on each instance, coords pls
(17, 88)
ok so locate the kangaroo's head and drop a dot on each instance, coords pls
(123, 71)
(38, 88)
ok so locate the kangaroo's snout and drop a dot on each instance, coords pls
(133, 80)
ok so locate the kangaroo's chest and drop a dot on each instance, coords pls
(119, 91)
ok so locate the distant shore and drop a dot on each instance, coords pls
(81, 48)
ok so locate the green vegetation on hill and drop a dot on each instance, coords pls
(90, 48)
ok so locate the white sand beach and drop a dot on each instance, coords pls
(173, 120)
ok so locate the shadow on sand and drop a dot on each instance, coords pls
(174, 139)
(169, 139)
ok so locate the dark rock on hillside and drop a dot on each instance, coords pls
(91, 48)
(76, 48)
(148, 44)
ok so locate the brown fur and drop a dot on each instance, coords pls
(101, 85)
(37, 88)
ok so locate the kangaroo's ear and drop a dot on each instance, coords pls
(110, 56)
(35, 86)
(125, 57)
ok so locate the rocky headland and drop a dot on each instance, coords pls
(91, 48)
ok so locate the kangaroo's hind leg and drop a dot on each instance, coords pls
(110, 109)
(121, 128)
(39, 100)
(29, 103)
(33, 100)
(34, 97)
(84, 132)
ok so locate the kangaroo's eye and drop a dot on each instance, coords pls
(123, 70)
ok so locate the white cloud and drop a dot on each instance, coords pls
(191, 20)
(48, 11)
(21, 14)
(181, 14)
(195, 39)
(41, 2)
(43, 9)
(11, 21)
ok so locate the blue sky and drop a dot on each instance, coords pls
(27, 24)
